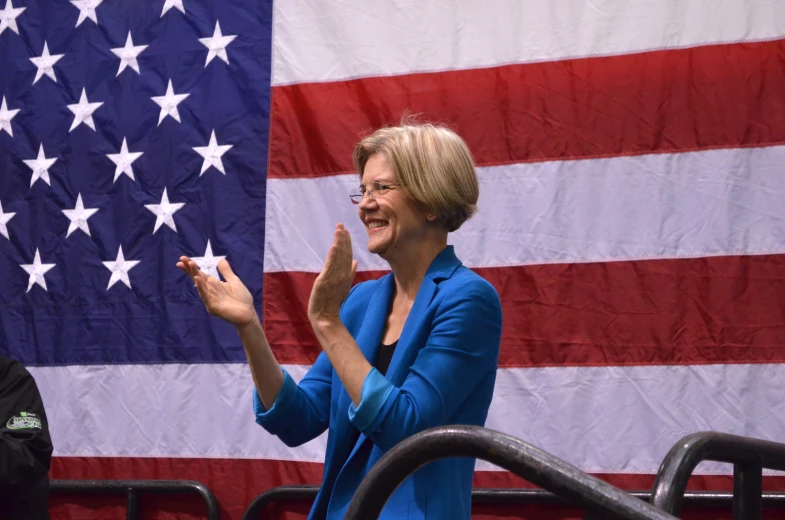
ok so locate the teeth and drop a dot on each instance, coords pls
(376, 224)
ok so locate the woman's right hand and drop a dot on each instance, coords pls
(229, 300)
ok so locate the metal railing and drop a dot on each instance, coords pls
(507, 496)
(134, 488)
(589, 493)
(749, 456)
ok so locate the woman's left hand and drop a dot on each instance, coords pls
(332, 285)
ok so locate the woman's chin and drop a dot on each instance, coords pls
(377, 247)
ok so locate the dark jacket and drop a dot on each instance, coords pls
(25, 445)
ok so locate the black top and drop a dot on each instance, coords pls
(25, 445)
(382, 364)
(384, 357)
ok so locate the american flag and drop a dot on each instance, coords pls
(631, 216)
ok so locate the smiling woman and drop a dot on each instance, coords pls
(415, 349)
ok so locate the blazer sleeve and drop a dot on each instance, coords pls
(461, 350)
(301, 412)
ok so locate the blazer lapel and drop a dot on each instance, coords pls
(369, 336)
(404, 355)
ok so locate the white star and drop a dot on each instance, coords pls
(36, 270)
(86, 10)
(5, 118)
(40, 166)
(123, 160)
(172, 3)
(8, 17)
(120, 268)
(5, 217)
(128, 55)
(83, 111)
(45, 62)
(208, 263)
(212, 154)
(217, 44)
(164, 211)
(78, 217)
(168, 103)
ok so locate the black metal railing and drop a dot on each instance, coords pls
(538, 467)
(134, 488)
(507, 496)
(749, 456)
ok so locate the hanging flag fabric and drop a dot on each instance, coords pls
(631, 216)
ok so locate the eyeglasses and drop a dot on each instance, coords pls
(357, 194)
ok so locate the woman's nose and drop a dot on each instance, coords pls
(367, 202)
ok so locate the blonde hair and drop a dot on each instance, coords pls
(432, 163)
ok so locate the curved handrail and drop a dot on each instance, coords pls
(132, 487)
(536, 466)
(507, 496)
(748, 455)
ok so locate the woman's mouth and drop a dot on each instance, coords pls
(375, 226)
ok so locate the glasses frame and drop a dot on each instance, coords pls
(358, 194)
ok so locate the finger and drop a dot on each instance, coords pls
(182, 263)
(185, 265)
(193, 269)
(226, 270)
(354, 268)
(201, 287)
(347, 251)
(197, 274)
(329, 263)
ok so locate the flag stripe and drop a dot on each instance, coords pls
(715, 202)
(236, 482)
(578, 411)
(684, 311)
(351, 41)
(664, 101)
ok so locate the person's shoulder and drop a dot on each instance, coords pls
(467, 284)
(10, 366)
(12, 372)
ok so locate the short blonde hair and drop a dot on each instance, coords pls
(432, 163)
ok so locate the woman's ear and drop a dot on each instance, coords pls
(430, 216)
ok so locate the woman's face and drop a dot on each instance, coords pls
(393, 221)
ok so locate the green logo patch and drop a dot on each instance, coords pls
(24, 421)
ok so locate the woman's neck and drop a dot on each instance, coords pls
(410, 271)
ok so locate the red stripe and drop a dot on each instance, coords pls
(236, 482)
(686, 311)
(663, 101)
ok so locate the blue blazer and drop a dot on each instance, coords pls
(442, 372)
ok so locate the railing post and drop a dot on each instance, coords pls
(748, 455)
(747, 491)
(132, 507)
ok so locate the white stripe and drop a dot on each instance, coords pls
(315, 40)
(694, 204)
(602, 419)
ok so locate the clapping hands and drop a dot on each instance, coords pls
(332, 285)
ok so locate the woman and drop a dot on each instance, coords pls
(414, 349)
